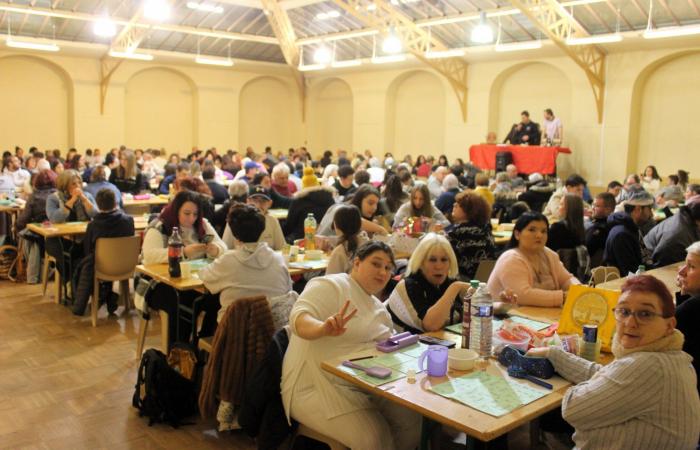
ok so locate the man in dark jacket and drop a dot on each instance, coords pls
(218, 190)
(110, 222)
(597, 231)
(667, 240)
(624, 247)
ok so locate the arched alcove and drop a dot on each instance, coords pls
(37, 104)
(266, 112)
(415, 115)
(665, 100)
(161, 110)
(331, 108)
(532, 87)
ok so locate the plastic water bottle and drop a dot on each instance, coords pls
(640, 270)
(175, 247)
(481, 321)
(467, 314)
(310, 226)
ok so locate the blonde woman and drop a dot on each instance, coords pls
(127, 177)
(423, 299)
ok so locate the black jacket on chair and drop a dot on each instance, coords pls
(262, 413)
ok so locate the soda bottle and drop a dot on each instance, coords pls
(175, 247)
(481, 321)
(310, 226)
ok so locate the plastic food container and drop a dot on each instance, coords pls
(312, 255)
(462, 358)
(501, 338)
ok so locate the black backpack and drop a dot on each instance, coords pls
(161, 393)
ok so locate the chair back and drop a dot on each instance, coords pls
(577, 261)
(602, 274)
(483, 272)
(116, 258)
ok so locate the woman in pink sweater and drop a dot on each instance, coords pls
(529, 269)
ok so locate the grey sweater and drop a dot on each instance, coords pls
(644, 400)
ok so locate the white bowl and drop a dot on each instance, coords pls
(462, 358)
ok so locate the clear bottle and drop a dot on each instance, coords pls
(640, 270)
(481, 321)
(310, 226)
(467, 314)
(175, 247)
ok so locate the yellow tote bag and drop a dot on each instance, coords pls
(586, 306)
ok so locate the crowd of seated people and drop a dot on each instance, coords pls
(221, 205)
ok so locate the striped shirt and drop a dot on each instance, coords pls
(644, 400)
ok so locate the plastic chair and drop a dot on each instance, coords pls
(602, 274)
(115, 260)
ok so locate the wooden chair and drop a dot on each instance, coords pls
(143, 328)
(303, 430)
(115, 260)
(45, 276)
(602, 274)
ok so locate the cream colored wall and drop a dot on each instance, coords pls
(330, 106)
(396, 109)
(34, 104)
(160, 110)
(669, 135)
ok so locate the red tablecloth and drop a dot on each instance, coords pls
(528, 159)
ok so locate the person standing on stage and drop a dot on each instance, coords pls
(553, 131)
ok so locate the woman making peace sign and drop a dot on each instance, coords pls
(337, 315)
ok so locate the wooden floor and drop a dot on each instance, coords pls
(67, 385)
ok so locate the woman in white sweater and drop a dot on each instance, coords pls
(200, 241)
(647, 397)
(337, 315)
(253, 268)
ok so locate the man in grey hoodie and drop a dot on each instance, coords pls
(251, 269)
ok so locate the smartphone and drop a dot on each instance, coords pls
(207, 238)
(435, 341)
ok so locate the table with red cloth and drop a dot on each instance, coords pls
(527, 158)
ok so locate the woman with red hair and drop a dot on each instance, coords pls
(645, 398)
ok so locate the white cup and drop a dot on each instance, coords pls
(185, 270)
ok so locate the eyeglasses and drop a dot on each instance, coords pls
(621, 314)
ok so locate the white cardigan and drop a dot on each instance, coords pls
(301, 370)
(155, 243)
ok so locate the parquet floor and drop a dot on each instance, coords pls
(67, 385)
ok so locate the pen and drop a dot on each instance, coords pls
(361, 358)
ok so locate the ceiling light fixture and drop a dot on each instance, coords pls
(392, 43)
(444, 54)
(482, 33)
(686, 30)
(388, 59)
(205, 7)
(104, 27)
(323, 55)
(131, 55)
(213, 61)
(332, 14)
(28, 45)
(156, 10)
(599, 39)
(517, 46)
(310, 67)
(346, 63)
